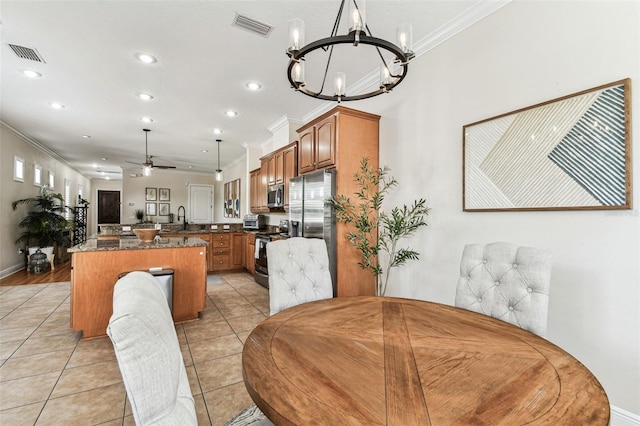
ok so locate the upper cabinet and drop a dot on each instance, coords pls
(276, 168)
(340, 139)
(317, 149)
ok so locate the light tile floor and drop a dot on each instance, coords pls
(49, 376)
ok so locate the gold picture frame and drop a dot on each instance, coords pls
(569, 153)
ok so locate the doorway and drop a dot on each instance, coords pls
(108, 207)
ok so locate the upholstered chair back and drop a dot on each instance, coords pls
(146, 346)
(298, 272)
(507, 282)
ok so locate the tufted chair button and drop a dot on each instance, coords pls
(515, 265)
(529, 289)
(290, 255)
(511, 308)
(497, 283)
(293, 290)
(479, 299)
(484, 260)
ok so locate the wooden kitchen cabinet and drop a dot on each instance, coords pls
(258, 195)
(237, 251)
(205, 237)
(340, 139)
(227, 251)
(250, 248)
(317, 145)
(279, 166)
(290, 169)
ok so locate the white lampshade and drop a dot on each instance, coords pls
(147, 170)
(219, 175)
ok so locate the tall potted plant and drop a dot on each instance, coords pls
(377, 231)
(45, 224)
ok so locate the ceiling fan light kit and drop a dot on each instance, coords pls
(391, 73)
(148, 162)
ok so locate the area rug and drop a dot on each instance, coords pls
(249, 416)
(214, 280)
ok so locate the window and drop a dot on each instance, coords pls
(37, 175)
(67, 198)
(52, 179)
(18, 169)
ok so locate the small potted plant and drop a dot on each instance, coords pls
(45, 225)
(139, 215)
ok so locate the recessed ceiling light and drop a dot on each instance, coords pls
(190, 166)
(86, 136)
(31, 73)
(95, 166)
(104, 158)
(217, 131)
(230, 113)
(107, 178)
(205, 150)
(147, 120)
(145, 96)
(146, 58)
(57, 105)
(253, 85)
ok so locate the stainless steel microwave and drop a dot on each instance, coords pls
(275, 196)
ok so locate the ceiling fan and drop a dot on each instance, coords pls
(148, 163)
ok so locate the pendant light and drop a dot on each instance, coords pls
(219, 170)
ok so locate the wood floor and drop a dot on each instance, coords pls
(61, 273)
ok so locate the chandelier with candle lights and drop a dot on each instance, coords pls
(392, 69)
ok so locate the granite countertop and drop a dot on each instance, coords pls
(96, 244)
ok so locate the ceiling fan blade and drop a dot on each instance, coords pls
(155, 166)
(138, 164)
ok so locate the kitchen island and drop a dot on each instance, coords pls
(97, 263)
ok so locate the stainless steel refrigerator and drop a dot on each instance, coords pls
(309, 216)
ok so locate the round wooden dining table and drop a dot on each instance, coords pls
(392, 361)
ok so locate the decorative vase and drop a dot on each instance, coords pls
(38, 262)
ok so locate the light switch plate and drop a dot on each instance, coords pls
(126, 228)
(225, 227)
(214, 227)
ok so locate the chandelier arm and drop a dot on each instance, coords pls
(336, 24)
(326, 69)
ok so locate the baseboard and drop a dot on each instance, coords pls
(620, 417)
(11, 270)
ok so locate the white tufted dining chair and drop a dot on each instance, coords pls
(507, 282)
(298, 272)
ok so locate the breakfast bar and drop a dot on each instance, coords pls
(97, 264)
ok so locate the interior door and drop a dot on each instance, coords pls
(201, 203)
(108, 207)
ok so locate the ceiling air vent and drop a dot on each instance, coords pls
(26, 53)
(252, 25)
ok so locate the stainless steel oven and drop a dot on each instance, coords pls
(261, 274)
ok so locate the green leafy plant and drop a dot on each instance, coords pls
(375, 230)
(139, 215)
(45, 224)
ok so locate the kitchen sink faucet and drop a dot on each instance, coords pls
(184, 217)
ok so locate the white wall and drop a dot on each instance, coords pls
(525, 53)
(134, 190)
(12, 143)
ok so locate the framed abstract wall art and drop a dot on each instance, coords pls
(570, 153)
